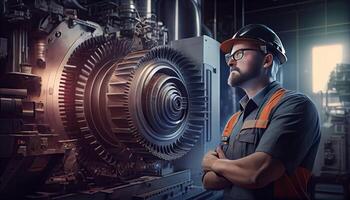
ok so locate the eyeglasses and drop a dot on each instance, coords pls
(237, 55)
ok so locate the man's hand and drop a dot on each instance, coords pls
(220, 152)
(208, 160)
(211, 181)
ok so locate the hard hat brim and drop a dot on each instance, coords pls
(226, 46)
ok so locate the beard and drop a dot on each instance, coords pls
(237, 78)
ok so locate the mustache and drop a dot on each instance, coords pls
(234, 68)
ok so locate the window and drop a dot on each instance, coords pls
(324, 60)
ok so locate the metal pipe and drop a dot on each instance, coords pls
(325, 16)
(215, 20)
(146, 8)
(243, 22)
(297, 51)
(181, 17)
(16, 93)
(16, 53)
(176, 20)
(235, 15)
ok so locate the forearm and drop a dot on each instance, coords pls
(211, 181)
(235, 173)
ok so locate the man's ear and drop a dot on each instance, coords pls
(268, 60)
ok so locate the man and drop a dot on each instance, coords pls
(269, 146)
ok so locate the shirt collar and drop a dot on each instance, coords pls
(259, 98)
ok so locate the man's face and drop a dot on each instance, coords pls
(248, 67)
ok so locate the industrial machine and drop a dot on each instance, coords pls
(334, 150)
(331, 173)
(107, 99)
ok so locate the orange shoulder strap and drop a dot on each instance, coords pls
(229, 126)
(264, 116)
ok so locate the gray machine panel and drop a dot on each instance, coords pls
(205, 52)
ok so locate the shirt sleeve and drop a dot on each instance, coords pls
(292, 130)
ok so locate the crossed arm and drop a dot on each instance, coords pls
(293, 129)
(254, 171)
